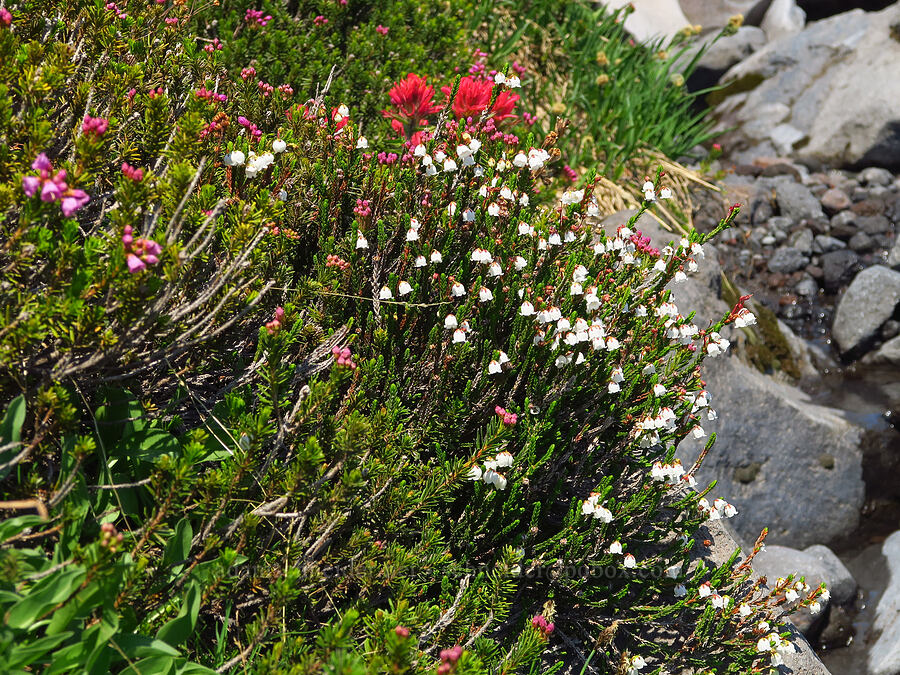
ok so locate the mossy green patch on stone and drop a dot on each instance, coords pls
(766, 347)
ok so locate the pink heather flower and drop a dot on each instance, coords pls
(137, 175)
(41, 163)
(381, 29)
(51, 191)
(5, 17)
(135, 264)
(30, 184)
(140, 252)
(320, 20)
(94, 125)
(74, 200)
(343, 357)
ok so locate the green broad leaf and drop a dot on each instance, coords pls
(11, 430)
(13, 526)
(180, 628)
(80, 606)
(179, 546)
(43, 597)
(154, 665)
(11, 424)
(188, 668)
(28, 652)
(119, 418)
(148, 445)
(141, 646)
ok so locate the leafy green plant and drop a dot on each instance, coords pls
(290, 399)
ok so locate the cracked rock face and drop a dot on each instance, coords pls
(837, 78)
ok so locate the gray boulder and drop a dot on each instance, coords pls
(884, 655)
(888, 353)
(838, 78)
(784, 462)
(783, 19)
(867, 303)
(721, 54)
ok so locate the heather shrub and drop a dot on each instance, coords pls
(279, 398)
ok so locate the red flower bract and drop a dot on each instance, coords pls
(474, 96)
(413, 101)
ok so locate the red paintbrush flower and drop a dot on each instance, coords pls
(413, 102)
(474, 96)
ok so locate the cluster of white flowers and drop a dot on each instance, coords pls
(744, 318)
(649, 191)
(535, 159)
(511, 81)
(635, 664)
(489, 474)
(258, 163)
(495, 367)
(648, 428)
(716, 344)
(667, 473)
(572, 197)
(591, 507)
(719, 509)
(465, 153)
(716, 600)
(776, 646)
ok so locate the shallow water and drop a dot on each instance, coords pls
(869, 397)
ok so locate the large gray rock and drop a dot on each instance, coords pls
(884, 656)
(784, 462)
(783, 19)
(867, 303)
(652, 18)
(721, 54)
(838, 77)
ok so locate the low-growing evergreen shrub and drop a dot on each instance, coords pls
(284, 399)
